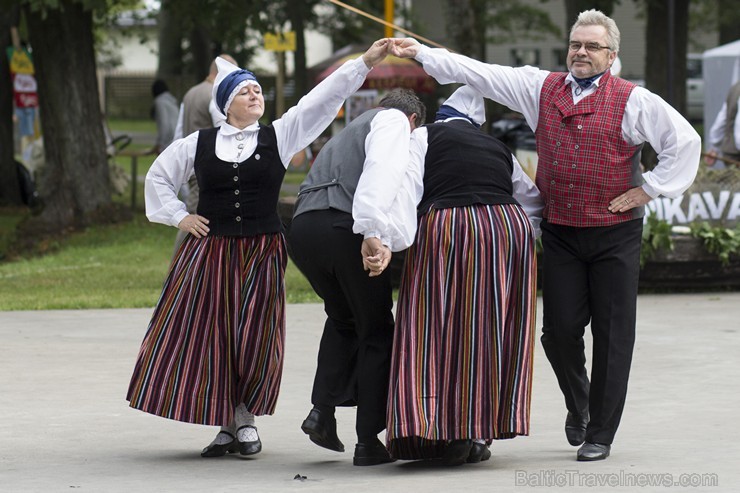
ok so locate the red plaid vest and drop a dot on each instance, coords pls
(583, 161)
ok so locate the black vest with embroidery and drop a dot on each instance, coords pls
(239, 199)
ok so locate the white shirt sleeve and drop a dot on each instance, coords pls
(172, 168)
(717, 132)
(178, 126)
(647, 118)
(518, 88)
(736, 128)
(403, 216)
(528, 196)
(386, 162)
(304, 122)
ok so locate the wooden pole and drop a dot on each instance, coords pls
(389, 18)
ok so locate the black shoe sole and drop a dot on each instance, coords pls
(220, 450)
(320, 439)
(371, 461)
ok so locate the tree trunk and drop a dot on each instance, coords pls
(575, 7)
(10, 193)
(297, 15)
(465, 38)
(202, 52)
(729, 21)
(170, 43)
(665, 65)
(74, 184)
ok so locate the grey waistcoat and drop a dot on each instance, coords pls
(333, 178)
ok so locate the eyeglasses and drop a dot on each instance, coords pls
(590, 47)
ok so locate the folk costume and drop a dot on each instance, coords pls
(589, 134)
(213, 352)
(462, 353)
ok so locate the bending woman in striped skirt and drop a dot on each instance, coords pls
(461, 374)
(213, 352)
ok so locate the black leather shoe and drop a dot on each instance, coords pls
(575, 428)
(322, 430)
(457, 452)
(216, 450)
(593, 451)
(249, 448)
(371, 454)
(478, 452)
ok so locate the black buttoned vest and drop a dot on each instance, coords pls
(239, 199)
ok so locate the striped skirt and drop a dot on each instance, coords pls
(463, 347)
(217, 334)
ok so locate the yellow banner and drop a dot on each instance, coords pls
(20, 62)
(280, 41)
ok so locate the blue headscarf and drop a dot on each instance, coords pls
(227, 86)
(446, 112)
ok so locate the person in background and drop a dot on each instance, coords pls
(724, 136)
(343, 209)
(213, 351)
(589, 130)
(165, 113)
(467, 302)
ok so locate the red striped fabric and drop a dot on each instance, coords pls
(217, 334)
(462, 354)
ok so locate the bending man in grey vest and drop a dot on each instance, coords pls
(342, 209)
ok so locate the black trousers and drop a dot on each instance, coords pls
(591, 275)
(355, 350)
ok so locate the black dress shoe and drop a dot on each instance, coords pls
(216, 450)
(371, 453)
(457, 452)
(478, 452)
(593, 451)
(322, 430)
(249, 448)
(575, 428)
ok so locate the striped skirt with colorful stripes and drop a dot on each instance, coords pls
(465, 324)
(217, 334)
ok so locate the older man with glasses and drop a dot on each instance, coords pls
(590, 128)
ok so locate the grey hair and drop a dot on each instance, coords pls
(406, 101)
(597, 18)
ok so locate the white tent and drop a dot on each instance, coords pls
(721, 69)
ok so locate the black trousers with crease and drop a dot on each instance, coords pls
(355, 350)
(590, 275)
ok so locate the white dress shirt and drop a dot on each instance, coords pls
(296, 129)
(647, 118)
(379, 194)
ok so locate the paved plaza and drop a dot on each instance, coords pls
(65, 425)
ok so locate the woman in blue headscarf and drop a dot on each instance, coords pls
(213, 352)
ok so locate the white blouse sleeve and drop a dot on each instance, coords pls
(304, 122)
(172, 168)
(528, 196)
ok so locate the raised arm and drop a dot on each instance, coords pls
(304, 122)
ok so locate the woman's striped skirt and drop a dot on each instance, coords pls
(463, 347)
(217, 334)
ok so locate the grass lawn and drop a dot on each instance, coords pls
(116, 266)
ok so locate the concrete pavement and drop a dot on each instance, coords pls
(65, 426)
